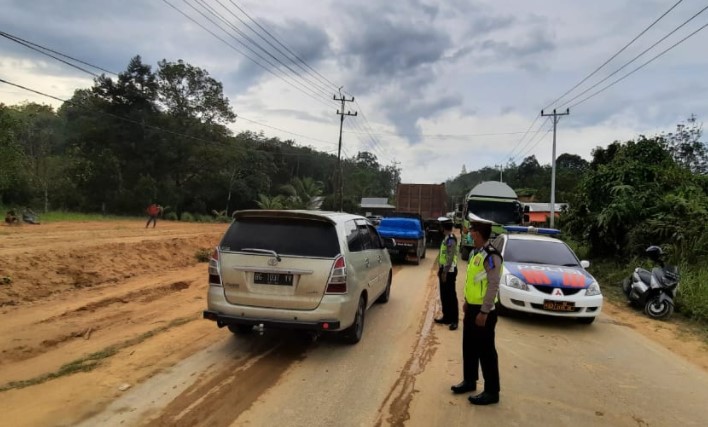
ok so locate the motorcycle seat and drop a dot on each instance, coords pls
(644, 276)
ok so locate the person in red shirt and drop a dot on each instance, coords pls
(153, 211)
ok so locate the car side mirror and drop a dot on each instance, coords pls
(585, 264)
(390, 243)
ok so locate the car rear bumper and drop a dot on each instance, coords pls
(335, 312)
(225, 320)
(532, 302)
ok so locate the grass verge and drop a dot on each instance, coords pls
(691, 302)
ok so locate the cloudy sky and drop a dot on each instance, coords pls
(438, 83)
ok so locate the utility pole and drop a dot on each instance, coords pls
(556, 118)
(340, 183)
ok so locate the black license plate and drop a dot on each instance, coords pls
(558, 305)
(273, 279)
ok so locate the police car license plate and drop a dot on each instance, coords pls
(273, 279)
(558, 305)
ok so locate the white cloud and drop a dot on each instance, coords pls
(418, 68)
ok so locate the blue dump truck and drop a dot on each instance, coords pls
(409, 237)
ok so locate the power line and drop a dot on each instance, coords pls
(634, 59)
(532, 138)
(447, 136)
(44, 48)
(7, 36)
(286, 131)
(518, 143)
(141, 123)
(238, 31)
(315, 82)
(614, 56)
(369, 129)
(239, 51)
(283, 45)
(527, 152)
(103, 112)
(605, 63)
(275, 67)
(640, 67)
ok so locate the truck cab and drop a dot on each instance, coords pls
(494, 201)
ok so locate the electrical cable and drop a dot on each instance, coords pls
(614, 56)
(633, 59)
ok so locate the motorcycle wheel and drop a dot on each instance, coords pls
(658, 309)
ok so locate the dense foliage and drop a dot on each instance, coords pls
(162, 135)
(648, 191)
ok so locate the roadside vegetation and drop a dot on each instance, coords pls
(161, 135)
(632, 194)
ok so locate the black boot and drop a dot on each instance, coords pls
(464, 387)
(484, 398)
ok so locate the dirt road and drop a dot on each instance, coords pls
(100, 325)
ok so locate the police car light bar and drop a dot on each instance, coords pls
(531, 230)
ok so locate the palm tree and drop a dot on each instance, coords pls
(268, 202)
(303, 193)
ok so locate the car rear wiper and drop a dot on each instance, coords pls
(262, 251)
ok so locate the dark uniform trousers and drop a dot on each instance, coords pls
(478, 348)
(448, 296)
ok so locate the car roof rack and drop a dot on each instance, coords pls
(531, 230)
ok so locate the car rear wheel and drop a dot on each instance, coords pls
(241, 329)
(585, 320)
(352, 334)
(383, 299)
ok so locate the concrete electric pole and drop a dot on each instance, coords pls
(556, 117)
(340, 184)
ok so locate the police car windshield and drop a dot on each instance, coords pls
(539, 252)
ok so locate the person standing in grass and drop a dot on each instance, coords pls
(153, 211)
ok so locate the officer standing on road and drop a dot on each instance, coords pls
(447, 275)
(481, 287)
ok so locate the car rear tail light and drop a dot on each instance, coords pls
(214, 276)
(337, 283)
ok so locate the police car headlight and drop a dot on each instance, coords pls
(593, 289)
(514, 282)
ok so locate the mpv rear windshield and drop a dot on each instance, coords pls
(286, 236)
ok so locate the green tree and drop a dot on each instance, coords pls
(686, 147)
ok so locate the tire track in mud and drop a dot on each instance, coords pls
(219, 399)
(140, 296)
(128, 300)
(396, 407)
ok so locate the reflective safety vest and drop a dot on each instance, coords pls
(443, 252)
(476, 283)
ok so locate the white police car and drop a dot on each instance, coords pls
(543, 275)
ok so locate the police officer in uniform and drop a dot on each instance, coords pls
(481, 287)
(447, 275)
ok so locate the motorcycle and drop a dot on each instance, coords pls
(654, 290)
